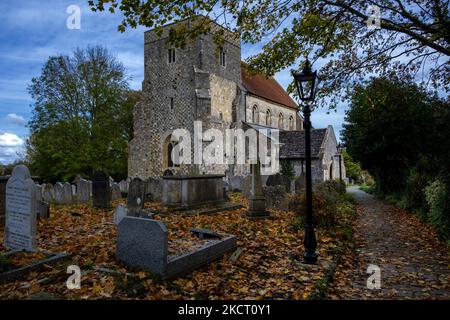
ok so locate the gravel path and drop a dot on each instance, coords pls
(413, 263)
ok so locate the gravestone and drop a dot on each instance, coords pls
(115, 191)
(38, 192)
(123, 185)
(111, 181)
(3, 181)
(276, 198)
(279, 180)
(20, 222)
(42, 207)
(48, 193)
(74, 190)
(153, 190)
(120, 213)
(300, 183)
(101, 192)
(83, 191)
(136, 194)
(59, 193)
(67, 193)
(142, 243)
(235, 183)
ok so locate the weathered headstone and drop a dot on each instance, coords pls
(42, 209)
(136, 194)
(3, 181)
(115, 191)
(67, 193)
(300, 183)
(90, 188)
(74, 190)
(20, 224)
(111, 181)
(153, 190)
(38, 192)
(279, 180)
(142, 243)
(59, 193)
(48, 193)
(235, 183)
(120, 213)
(276, 198)
(83, 191)
(101, 192)
(123, 186)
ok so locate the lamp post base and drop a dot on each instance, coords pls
(310, 258)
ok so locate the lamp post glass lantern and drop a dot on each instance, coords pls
(306, 87)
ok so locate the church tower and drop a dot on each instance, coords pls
(198, 82)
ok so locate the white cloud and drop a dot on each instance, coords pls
(16, 119)
(10, 146)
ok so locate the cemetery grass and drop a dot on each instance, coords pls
(268, 268)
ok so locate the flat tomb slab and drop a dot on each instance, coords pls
(189, 191)
(15, 272)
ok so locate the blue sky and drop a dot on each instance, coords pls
(33, 30)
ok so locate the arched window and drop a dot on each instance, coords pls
(169, 155)
(331, 171)
(168, 159)
(255, 114)
(268, 117)
(291, 123)
(280, 121)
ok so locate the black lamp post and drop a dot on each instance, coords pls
(306, 87)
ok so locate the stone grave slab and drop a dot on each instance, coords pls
(143, 243)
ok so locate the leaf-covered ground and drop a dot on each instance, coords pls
(268, 267)
(413, 263)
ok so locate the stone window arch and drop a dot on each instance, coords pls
(291, 123)
(168, 161)
(331, 171)
(255, 114)
(280, 120)
(268, 117)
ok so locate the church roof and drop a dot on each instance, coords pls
(267, 88)
(293, 143)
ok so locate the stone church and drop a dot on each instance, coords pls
(204, 82)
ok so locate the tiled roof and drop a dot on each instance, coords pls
(266, 87)
(293, 143)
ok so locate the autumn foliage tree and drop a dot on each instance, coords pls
(82, 117)
(413, 38)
